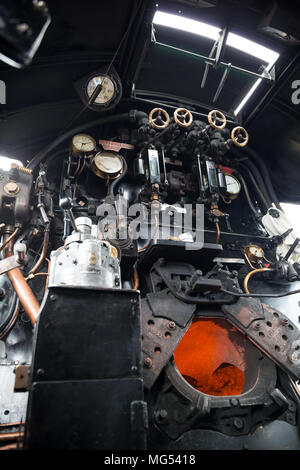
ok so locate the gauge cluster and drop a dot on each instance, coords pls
(119, 246)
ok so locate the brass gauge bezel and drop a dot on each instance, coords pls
(229, 195)
(98, 167)
(252, 256)
(76, 150)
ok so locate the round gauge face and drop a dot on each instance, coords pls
(83, 143)
(107, 92)
(107, 164)
(233, 185)
(256, 251)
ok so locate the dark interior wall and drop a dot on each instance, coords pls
(83, 36)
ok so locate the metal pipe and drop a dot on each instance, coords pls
(256, 186)
(40, 156)
(255, 271)
(11, 237)
(218, 233)
(212, 61)
(243, 182)
(136, 280)
(44, 251)
(9, 447)
(10, 436)
(25, 294)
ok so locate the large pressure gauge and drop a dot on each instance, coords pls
(83, 143)
(107, 164)
(100, 90)
(108, 90)
(233, 187)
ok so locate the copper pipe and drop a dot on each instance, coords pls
(152, 236)
(248, 260)
(10, 436)
(218, 233)
(44, 251)
(136, 280)
(9, 447)
(255, 271)
(25, 294)
(10, 425)
(6, 242)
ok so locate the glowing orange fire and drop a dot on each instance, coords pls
(211, 357)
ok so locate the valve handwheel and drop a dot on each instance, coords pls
(239, 136)
(215, 117)
(159, 118)
(183, 117)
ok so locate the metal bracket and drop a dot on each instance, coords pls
(21, 377)
(9, 263)
(269, 330)
(160, 336)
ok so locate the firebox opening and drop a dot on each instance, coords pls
(215, 358)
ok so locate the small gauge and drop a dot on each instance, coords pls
(254, 252)
(108, 90)
(233, 187)
(107, 164)
(83, 143)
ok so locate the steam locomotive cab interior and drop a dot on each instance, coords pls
(149, 273)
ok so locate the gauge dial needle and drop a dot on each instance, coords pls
(95, 93)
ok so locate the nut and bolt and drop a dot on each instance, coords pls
(148, 362)
(238, 423)
(172, 325)
(234, 402)
(294, 357)
(257, 325)
(161, 415)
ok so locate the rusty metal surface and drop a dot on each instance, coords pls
(21, 377)
(270, 330)
(160, 336)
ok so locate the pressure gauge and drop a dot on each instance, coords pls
(233, 187)
(254, 252)
(107, 164)
(83, 143)
(107, 92)
(101, 89)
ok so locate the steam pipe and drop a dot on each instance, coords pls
(40, 156)
(259, 160)
(44, 251)
(259, 179)
(256, 186)
(246, 193)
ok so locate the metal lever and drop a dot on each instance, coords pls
(66, 204)
(291, 249)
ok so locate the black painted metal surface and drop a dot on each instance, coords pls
(86, 389)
